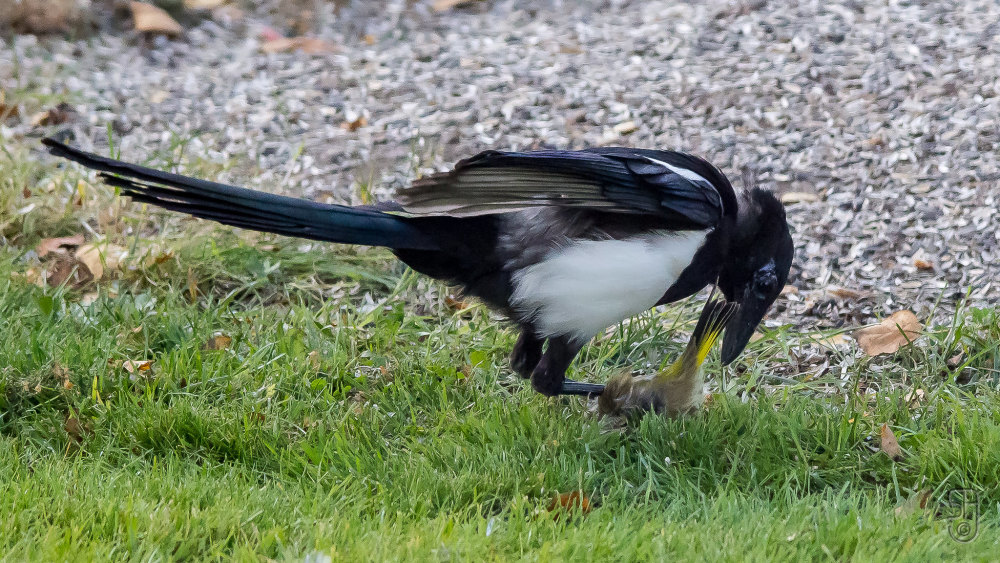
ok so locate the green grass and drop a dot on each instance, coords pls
(355, 414)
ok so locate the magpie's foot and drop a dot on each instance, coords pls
(546, 383)
(526, 354)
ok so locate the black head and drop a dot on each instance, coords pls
(760, 256)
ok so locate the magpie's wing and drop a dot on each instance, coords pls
(675, 186)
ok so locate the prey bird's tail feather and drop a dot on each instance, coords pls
(251, 209)
(712, 321)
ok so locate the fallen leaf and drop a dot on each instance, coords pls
(152, 19)
(308, 45)
(369, 39)
(136, 366)
(313, 358)
(219, 341)
(893, 333)
(798, 197)
(956, 360)
(7, 110)
(354, 125)
(923, 265)
(914, 397)
(54, 116)
(570, 501)
(202, 4)
(77, 430)
(845, 294)
(163, 256)
(889, 445)
(98, 259)
(192, 285)
(789, 290)
(445, 5)
(56, 244)
(66, 268)
(455, 304)
(626, 127)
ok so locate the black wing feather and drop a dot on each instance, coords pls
(682, 189)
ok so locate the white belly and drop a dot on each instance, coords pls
(582, 288)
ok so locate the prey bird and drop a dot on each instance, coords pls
(564, 243)
(676, 390)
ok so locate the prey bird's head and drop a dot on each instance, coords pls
(760, 255)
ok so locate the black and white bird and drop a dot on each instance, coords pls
(564, 243)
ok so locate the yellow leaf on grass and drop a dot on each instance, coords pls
(219, 341)
(575, 500)
(901, 328)
(152, 19)
(136, 366)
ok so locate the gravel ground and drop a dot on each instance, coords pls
(879, 122)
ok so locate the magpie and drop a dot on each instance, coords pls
(563, 243)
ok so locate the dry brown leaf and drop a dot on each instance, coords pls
(203, 4)
(923, 265)
(845, 294)
(54, 116)
(889, 445)
(956, 360)
(354, 125)
(308, 45)
(369, 39)
(98, 259)
(152, 19)
(455, 303)
(313, 359)
(901, 328)
(136, 366)
(77, 430)
(626, 128)
(7, 110)
(445, 5)
(66, 269)
(192, 285)
(914, 397)
(56, 244)
(219, 341)
(789, 290)
(799, 197)
(575, 500)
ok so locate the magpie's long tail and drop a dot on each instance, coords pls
(250, 209)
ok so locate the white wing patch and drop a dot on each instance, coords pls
(587, 286)
(682, 172)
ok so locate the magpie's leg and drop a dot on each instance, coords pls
(549, 376)
(527, 352)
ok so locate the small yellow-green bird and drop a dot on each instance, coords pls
(678, 388)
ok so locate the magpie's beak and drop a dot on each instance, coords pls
(754, 303)
(741, 327)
